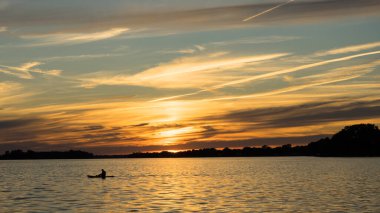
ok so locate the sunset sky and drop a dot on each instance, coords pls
(120, 76)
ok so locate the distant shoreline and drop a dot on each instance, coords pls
(112, 157)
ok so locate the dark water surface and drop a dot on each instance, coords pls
(282, 184)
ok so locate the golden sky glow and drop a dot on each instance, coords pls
(113, 80)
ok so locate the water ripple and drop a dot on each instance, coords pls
(293, 184)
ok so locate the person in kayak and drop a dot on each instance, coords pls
(103, 174)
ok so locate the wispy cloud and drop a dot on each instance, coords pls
(333, 76)
(295, 69)
(24, 71)
(3, 29)
(288, 89)
(195, 49)
(181, 73)
(12, 93)
(200, 47)
(79, 57)
(73, 38)
(8, 86)
(190, 65)
(269, 75)
(349, 49)
(184, 51)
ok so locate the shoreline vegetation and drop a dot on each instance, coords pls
(361, 140)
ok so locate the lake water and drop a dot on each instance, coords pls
(274, 184)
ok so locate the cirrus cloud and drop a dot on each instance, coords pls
(25, 70)
(187, 72)
(72, 38)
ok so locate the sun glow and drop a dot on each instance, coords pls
(175, 132)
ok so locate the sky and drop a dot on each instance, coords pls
(122, 76)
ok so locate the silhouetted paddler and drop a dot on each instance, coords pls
(103, 174)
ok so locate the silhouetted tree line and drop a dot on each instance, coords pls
(356, 140)
(71, 154)
(226, 152)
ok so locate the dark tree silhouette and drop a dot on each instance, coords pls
(355, 140)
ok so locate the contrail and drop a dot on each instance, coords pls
(267, 75)
(295, 69)
(267, 11)
(285, 90)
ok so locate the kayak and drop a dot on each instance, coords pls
(96, 176)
